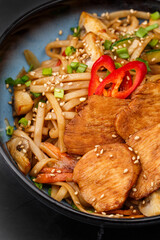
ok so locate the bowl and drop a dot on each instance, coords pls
(33, 31)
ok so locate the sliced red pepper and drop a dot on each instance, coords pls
(59, 61)
(127, 82)
(103, 61)
(117, 76)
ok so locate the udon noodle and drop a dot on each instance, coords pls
(56, 95)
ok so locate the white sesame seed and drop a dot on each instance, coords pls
(125, 170)
(136, 138)
(52, 175)
(144, 176)
(110, 155)
(82, 99)
(133, 158)
(60, 32)
(24, 150)
(97, 154)
(103, 213)
(58, 171)
(137, 161)
(152, 184)
(130, 149)
(76, 192)
(70, 83)
(95, 149)
(102, 196)
(53, 170)
(138, 157)
(101, 152)
(114, 136)
(134, 189)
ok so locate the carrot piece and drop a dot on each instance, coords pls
(51, 177)
(55, 170)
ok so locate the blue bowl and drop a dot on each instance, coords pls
(33, 31)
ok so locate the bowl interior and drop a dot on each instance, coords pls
(34, 31)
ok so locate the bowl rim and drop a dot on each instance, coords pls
(30, 187)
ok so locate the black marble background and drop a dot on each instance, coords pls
(22, 217)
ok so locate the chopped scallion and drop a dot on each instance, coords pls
(142, 32)
(155, 15)
(21, 80)
(69, 69)
(47, 71)
(28, 83)
(81, 68)
(76, 31)
(69, 50)
(151, 27)
(107, 44)
(9, 130)
(58, 93)
(153, 42)
(36, 95)
(117, 65)
(122, 53)
(74, 65)
(23, 121)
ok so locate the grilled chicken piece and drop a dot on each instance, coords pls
(94, 50)
(143, 110)
(95, 25)
(106, 179)
(93, 125)
(20, 151)
(150, 206)
(146, 143)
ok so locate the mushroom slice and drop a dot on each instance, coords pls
(150, 206)
(94, 50)
(20, 151)
(105, 176)
(93, 24)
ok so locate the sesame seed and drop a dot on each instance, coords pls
(130, 149)
(97, 154)
(95, 150)
(103, 213)
(135, 162)
(136, 138)
(52, 175)
(114, 136)
(144, 176)
(134, 189)
(153, 59)
(24, 150)
(110, 155)
(101, 152)
(102, 196)
(70, 83)
(125, 170)
(53, 170)
(93, 199)
(60, 32)
(138, 157)
(133, 158)
(58, 171)
(76, 192)
(82, 99)
(152, 184)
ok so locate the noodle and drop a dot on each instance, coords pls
(69, 71)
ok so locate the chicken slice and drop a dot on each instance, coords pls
(146, 143)
(20, 151)
(106, 179)
(94, 50)
(95, 25)
(142, 111)
(93, 125)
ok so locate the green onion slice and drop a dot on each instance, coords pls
(123, 53)
(155, 15)
(70, 50)
(82, 68)
(9, 130)
(47, 71)
(58, 93)
(23, 121)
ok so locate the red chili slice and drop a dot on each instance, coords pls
(117, 76)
